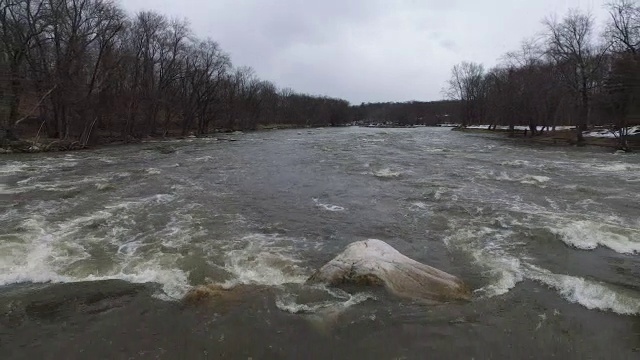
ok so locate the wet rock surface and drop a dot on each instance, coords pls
(374, 262)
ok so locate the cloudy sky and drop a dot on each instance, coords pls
(364, 50)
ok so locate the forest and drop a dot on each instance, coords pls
(571, 73)
(84, 70)
(409, 113)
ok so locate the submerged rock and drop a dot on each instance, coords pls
(374, 262)
(221, 295)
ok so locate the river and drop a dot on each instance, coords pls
(98, 247)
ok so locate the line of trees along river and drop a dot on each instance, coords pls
(84, 69)
(571, 73)
(77, 69)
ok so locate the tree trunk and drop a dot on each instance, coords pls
(14, 104)
(584, 113)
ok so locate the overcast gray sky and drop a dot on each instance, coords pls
(364, 50)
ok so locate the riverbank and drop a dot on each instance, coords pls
(563, 137)
(35, 144)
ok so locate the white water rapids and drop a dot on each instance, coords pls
(269, 209)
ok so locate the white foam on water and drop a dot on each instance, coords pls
(132, 204)
(35, 183)
(436, 150)
(614, 166)
(492, 250)
(12, 167)
(528, 179)
(419, 205)
(5, 190)
(534, 179)
(387, 173)
(328, 207)
(588, 293)
(516, 163)
(264, 260)
(41, 252)
(506, 273)
(174, 282)
(102, 186)
(61, 187)
(33, 259)
(203, 159)
(288, 302)
(46, 261)
(489, 250)
(27, 180)
(588, 235)
(153, 171)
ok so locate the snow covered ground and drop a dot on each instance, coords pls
(605, 133)
(518, 127)
(597, 133)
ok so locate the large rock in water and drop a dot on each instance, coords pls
(374, 262)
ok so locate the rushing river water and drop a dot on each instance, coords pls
(98, 247)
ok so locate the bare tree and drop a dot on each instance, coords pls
(571, 45)
(623, 28)
(20, 24)
(468, 85)
(93, 72)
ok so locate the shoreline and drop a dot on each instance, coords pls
(558, 138)
(28, 145)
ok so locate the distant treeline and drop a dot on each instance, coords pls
(571, 74)
(408, 113)
(80, 69)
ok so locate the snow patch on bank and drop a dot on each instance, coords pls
(606, 133)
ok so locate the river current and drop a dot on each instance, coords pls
(97, 248)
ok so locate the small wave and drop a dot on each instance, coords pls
(13, 167)
(387, 173)
(104, 186)
(516, 163)
(590, 294)
(493, 250)
(5, 190)
(614, 167)
(588, 235)
(153, 171)
(174, 282)
(60, 187)
(203, 159)
(528, 179)
(418, 205)
(41, 252)
(339, 301)
(328, 207)
(534, 179)
(157, 199)
(506, 273)
(489, 250)
(264, 262)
